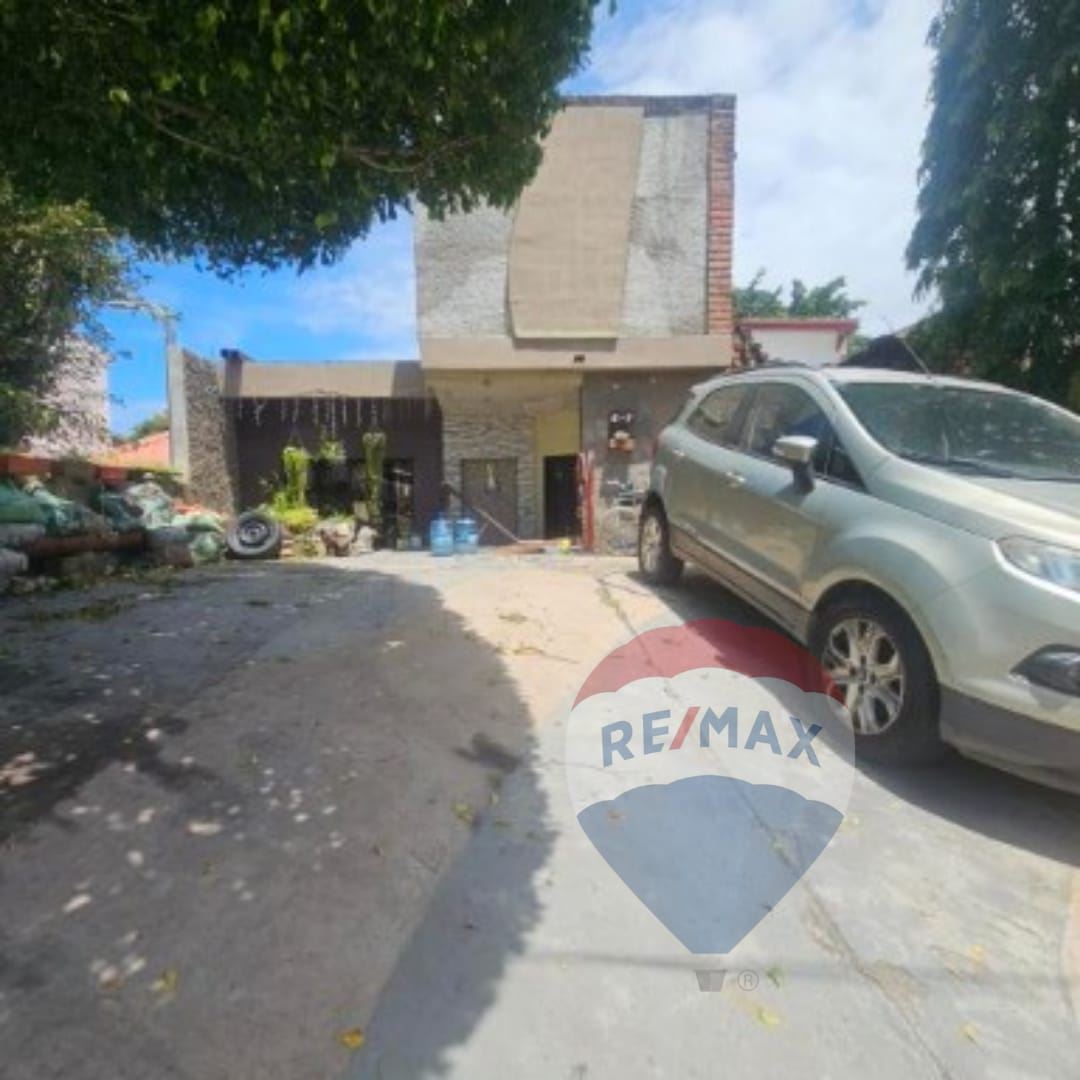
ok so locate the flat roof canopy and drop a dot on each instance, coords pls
(244, 378)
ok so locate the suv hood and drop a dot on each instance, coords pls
(988, 506)
(1064, 498)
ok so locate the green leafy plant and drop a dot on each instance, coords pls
(999, 195)
(331, 451)
(288, 503)
(307, 120)
(58, 266)
(295, 463)
(374, 443)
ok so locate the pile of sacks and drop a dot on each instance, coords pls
(175, 534)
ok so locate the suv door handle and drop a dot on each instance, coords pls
(733, 479)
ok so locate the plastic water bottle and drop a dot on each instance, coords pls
(441, 537)
(466, 536)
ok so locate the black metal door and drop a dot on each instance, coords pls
(560, 496)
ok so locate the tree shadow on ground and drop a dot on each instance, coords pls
(354, 747)
(986, 800)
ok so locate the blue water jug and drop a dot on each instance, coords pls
(441, 537)
(466, 536)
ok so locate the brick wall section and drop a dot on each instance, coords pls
(212, 437)
(507, 433)
(721, 202)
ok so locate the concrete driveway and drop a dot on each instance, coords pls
(310, 820)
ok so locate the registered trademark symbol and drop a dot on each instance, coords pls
(748, 980)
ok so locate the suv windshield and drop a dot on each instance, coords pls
(969, 429)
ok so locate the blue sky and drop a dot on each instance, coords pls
(832, 107)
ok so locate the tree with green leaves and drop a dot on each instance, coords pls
(998, 233)
(277, 131)
(58, 265)
(152, 425)
(828, 301)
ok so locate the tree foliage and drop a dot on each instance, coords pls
(998, 235)
(273, 131)
(152, 425)
(58, 265)
(828, 301)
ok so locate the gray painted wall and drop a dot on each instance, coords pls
(462, 261)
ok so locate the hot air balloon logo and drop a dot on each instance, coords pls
(709, 765)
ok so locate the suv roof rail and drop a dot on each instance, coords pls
(765, 364)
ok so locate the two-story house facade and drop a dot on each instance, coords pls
(560, 336)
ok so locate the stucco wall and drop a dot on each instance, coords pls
(212, 437)
(462, 261)
(814, 347)
(654, 399)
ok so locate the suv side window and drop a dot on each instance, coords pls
(783, 409)
(717, 417)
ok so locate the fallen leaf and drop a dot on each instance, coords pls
(766, 1018)
(166, 982)
(464, 813)
(352, 1039)
(970, 1032)
(204, 828)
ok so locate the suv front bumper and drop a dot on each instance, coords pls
(1045, 752)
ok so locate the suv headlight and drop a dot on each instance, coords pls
(1059, 565)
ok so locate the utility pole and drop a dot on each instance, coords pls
(176, 400)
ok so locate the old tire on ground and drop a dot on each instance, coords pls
(657, 563)
(254, 535)
(874, 654)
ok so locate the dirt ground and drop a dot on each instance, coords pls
(308, 820)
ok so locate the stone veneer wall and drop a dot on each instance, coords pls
(211, 437)
(504, 430)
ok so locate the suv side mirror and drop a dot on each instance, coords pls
(798, 452)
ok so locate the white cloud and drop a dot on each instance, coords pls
(831, 113)
(371, 294)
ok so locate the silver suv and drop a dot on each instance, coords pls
(920, 534)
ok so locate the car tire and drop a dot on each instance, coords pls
(912, 736)
(656, 561)
(254, 535)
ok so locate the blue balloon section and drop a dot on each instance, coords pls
(710, 856)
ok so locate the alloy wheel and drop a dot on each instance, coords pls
(652, 543)
(865, 664)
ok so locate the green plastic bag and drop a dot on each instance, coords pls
(62, 516)
(156, 505)
(207, 546)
